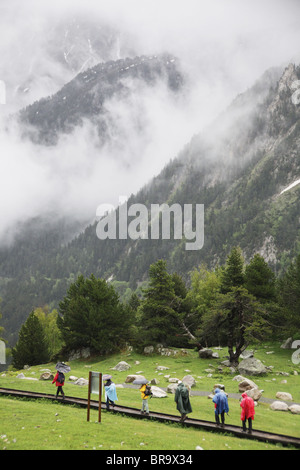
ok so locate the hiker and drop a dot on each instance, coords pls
(145, 390)
(182, 400)
(59, 380)
(110, 393)
(221, 406)
(248, 412)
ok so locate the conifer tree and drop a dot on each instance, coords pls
(260, 280)
(91, 315)
(158, 317)
(233, 274)
(289, 298)
(236, 316)
(31, 348)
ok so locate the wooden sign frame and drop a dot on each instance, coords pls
(93, 378)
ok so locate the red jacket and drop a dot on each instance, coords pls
(57, 383)
(247, 405)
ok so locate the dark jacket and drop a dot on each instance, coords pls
(182, 399)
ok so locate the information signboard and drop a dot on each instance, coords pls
(95, 386)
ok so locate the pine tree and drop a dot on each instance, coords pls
(260, 280)
(289, 297)
(31, 347)
(91, 315)
(233, 274)
(236, 316)
(158, 317)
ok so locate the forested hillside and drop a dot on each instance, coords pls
(238, 168)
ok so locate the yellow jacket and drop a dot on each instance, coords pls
(142, 390)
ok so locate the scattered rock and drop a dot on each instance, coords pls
(158, 392)
(189, 380)
(130, 378)
(172, 388)
(121, 366)
(279, 406)
(284, 396)
(162, 368)
(255, 394)
(154, 382)
(246, 384)
(252, 366)
(247, 354)
(206, 353)
(173, 380)
(81, 382)
(295, 409)
(148, 350)
(220, 386)
(22, 376)
(46, 376)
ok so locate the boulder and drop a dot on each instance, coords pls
(46, 376)
(279, 406)
(254, 393)
(247, 354)
(154, 382)
(206, 353)
(121, 366)
(252, 366)
(130, 378)
(148, 350)
(246, 384)
(189, 380)
(173, 380)
(167, 352)
(172, 388)
(295, 409)
(81, 382)
(73, 378)
(158, 392)
(284, 396)
(162, 368)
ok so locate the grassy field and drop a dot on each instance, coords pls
(42, 425)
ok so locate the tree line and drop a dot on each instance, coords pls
(231, 306)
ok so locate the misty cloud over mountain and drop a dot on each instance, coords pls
(222, 48)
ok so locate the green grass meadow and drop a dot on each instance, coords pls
(44, 425)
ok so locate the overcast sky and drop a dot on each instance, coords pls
(223, 45)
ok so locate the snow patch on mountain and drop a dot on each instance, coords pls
(291, 186)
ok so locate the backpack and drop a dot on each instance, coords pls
(61, 377)
(148, 391)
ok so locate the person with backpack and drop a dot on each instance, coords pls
(146, 392)
(248, 412)
(59, 380)
(182, 400)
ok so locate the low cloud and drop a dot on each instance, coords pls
(222, 46)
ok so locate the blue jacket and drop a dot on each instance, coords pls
(221, 402)
(110, 392)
